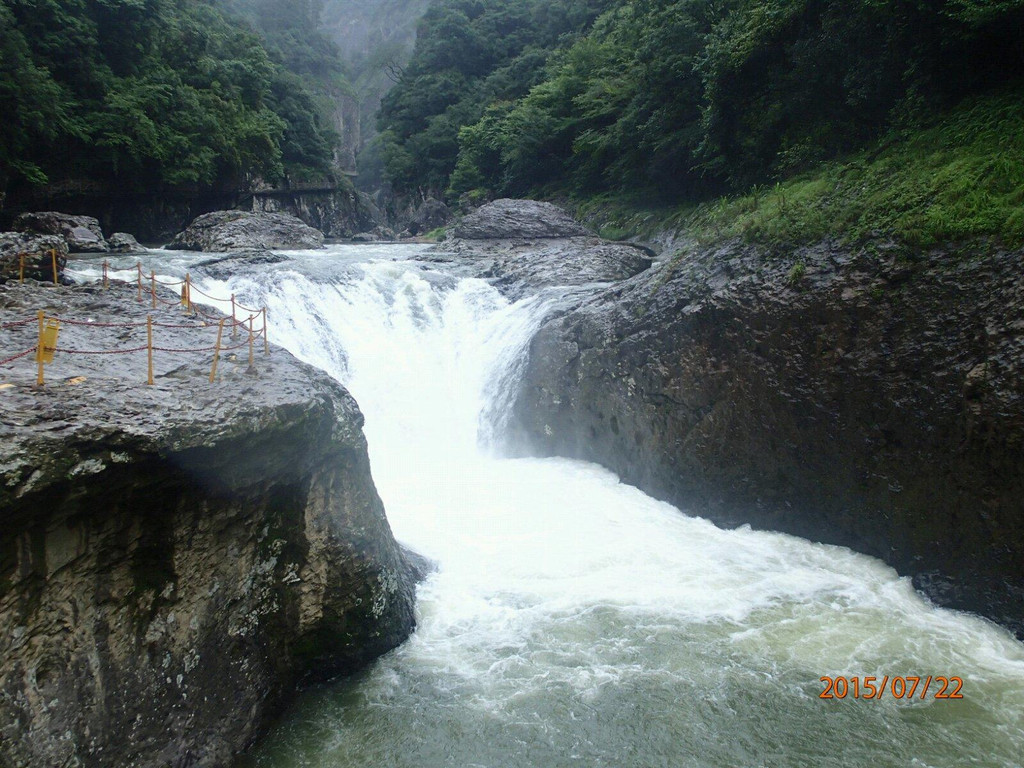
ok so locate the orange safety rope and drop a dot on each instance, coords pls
(249, 309)
(17, 323)
(234, 322)
(17, 357)
(172, 284)
(99, 352)
(203, 293)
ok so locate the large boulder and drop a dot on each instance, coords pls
(518, 219)
(375, 235)
(174, 558)
(224, 267)
(519, 267)
(82, 233)
(223, 231)
(38, 260)
(577, 261)
(122, 242)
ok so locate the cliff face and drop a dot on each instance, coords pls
(337, 212)
(376, 39)
(175, 557)
(871, 398)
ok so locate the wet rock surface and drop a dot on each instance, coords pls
(223, 231)
(122, 242)
(82, 233)
(375, 235)
(519, 267)
(173, 558)
(223, 268)
(518, 219)
(868, 397)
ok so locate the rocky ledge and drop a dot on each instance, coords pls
(80, 234)
(870, 397)
(524, 246)
(506, 218)
(223, 231)
(174, 558)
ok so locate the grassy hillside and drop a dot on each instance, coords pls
(960, 178)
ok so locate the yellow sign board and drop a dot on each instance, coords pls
(49, 339)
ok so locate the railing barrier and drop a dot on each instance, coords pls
(51, 252)
(49, 328)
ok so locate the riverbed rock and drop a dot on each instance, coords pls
(520, 267)
(223, 231)
(175, 557)
(122, 242)
(224, 267)
(38, 261)
(868, 396)
(375, 235)
(507, 219)
(82, 233)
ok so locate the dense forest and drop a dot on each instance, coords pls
(670, 100)
(151, 94)
(469, 55)
(666, 102)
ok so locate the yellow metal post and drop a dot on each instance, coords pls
(53, 258)
(149, 347)
(152, 286)
(186, 293)
(39, 350)
(21, 268)
(252, 366)
(216, 350)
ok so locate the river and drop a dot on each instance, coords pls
(573, 620)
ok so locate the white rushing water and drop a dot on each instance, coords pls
(575, 621)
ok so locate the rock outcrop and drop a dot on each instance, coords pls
(520, 261)
(223, 231)
(375, 235)
(518, 219)
(224, 267)
(336, 211)
(520, 267)
(122, 242)
(430, 215)
(175, 557)
(82, 233)
(868, 397)
(38, 260)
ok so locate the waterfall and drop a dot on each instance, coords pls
(573, 620)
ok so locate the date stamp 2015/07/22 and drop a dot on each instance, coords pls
(900, 687)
